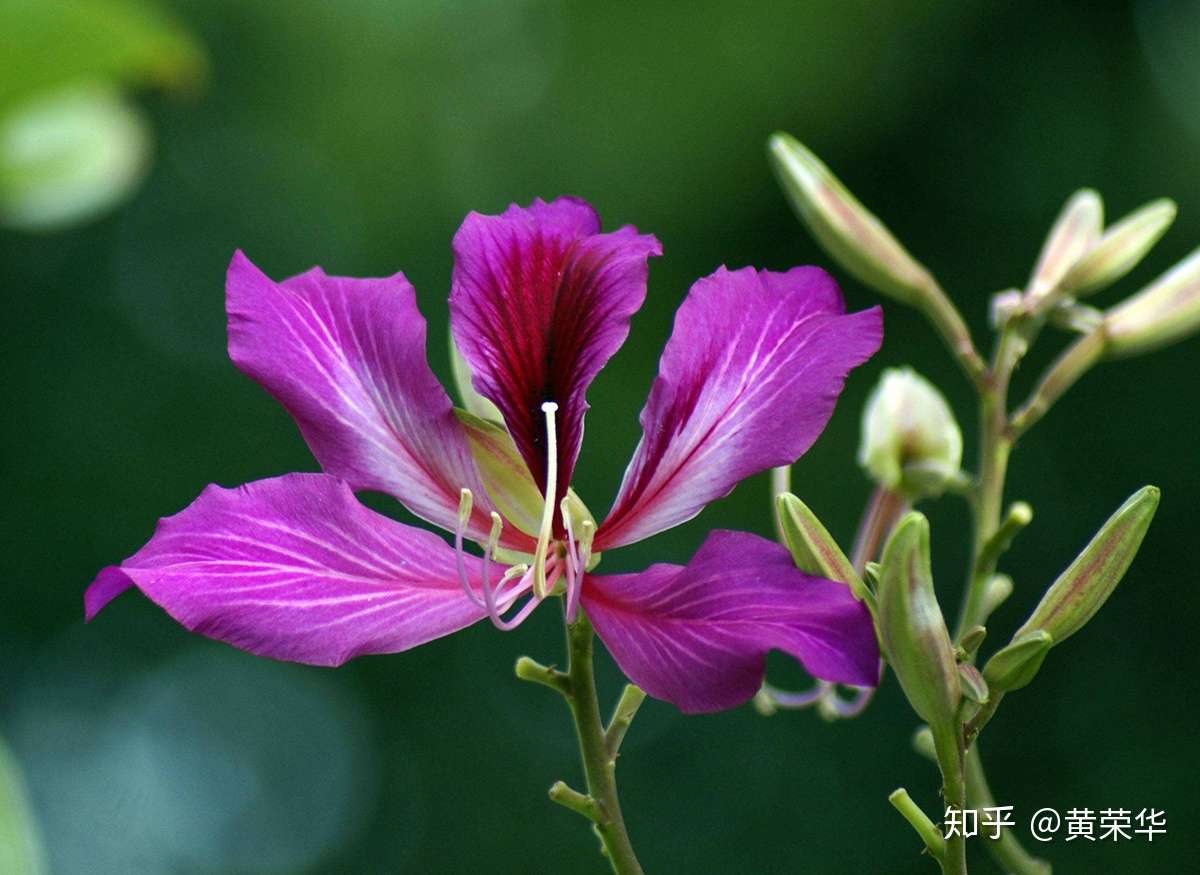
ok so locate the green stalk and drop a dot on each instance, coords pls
(598, 746)
(1006, 850)
(599, 764)
(995, 446)
(948, 746)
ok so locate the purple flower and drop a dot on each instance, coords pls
(295, 568)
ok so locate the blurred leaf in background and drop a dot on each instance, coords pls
(20, 845)
(72, 144)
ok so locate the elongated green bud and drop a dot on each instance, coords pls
(813, 549)
(1164, 312)
(844, 227)
(1121, 248)
(911, 626)
(1074, 232)
(1014, 666)
(1079, 592)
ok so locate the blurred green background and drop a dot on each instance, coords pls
(357, 135)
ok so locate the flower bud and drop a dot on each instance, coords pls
(973, 685)
(1080, 590)
(969, 643)
(1165, 311)
(813, 549)
(1074, 232)
(911, 627)
(910, 441)
(69, 155)
(1014, 666)
(1121, 248)
(853, 236)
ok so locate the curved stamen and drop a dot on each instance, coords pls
(574, 571)
(488, 550)
(465, 502)
(549, 408)
(494, 610)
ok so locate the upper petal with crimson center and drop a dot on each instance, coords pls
(747, 381)
(346, 357)
(697, 635)
(541, 300)
(296, 568)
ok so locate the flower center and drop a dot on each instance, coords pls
(553, 560)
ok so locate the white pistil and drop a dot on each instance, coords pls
(549, 408)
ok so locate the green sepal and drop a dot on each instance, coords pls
(1014, 666)
(813, 549)
(472, 400)
(505, 476)
(974, 687)
(968, 644)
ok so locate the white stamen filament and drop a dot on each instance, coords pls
(574, 577)
(465, 502)
(540, 589)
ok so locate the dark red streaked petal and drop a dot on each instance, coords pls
(541, 300)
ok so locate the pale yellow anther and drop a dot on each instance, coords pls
(494, 535)
(465, 502)
(514, 572)
(587, 532)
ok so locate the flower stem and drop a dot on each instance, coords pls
(599, 752)
(995, 445)
(1006, 850)
(950, 759)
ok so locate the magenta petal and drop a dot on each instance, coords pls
(541, 300)
(749, 378)
(295, 568)
(346, 357)
(698, 635)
